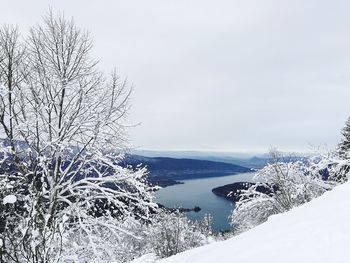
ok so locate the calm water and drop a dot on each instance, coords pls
(197, 192)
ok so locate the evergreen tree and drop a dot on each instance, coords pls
(342, 168)
(344, 145)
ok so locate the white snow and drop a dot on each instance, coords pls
(148, 258)
(318, 231)
(9, 199)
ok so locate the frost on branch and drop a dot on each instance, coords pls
(9, 199)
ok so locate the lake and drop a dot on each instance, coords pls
(197, 192)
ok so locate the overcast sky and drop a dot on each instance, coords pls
(220, 75)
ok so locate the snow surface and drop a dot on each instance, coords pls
(9, 199)
(148, 258)
(318, 231)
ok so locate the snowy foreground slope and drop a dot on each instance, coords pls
(318, 231)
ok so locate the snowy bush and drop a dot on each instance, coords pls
(121, 243)
(282, 186)
(172, 233)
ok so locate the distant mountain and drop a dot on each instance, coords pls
(250, 160)
(166, 171)
(254, 162)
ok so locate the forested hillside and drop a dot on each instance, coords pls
(166, 171)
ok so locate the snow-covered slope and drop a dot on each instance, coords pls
(318, 231)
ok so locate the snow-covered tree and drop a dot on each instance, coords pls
(64, 131)
(279, 187)
(344, 145)
(338, 162)
(335, 164)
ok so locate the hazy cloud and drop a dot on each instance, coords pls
(226, 75)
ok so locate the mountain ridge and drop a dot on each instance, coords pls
(166, 171)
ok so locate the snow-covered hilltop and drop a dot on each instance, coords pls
(318, 231)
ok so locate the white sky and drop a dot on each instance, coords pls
(220, 75)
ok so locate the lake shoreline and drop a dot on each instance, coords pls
(198, 192)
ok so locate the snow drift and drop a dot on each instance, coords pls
(318, 231)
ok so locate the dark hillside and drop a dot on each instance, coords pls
(166, 171)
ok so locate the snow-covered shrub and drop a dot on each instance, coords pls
(279, 187)
(122, 243)
(172, 233)
(334, 166)
(164, 234)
